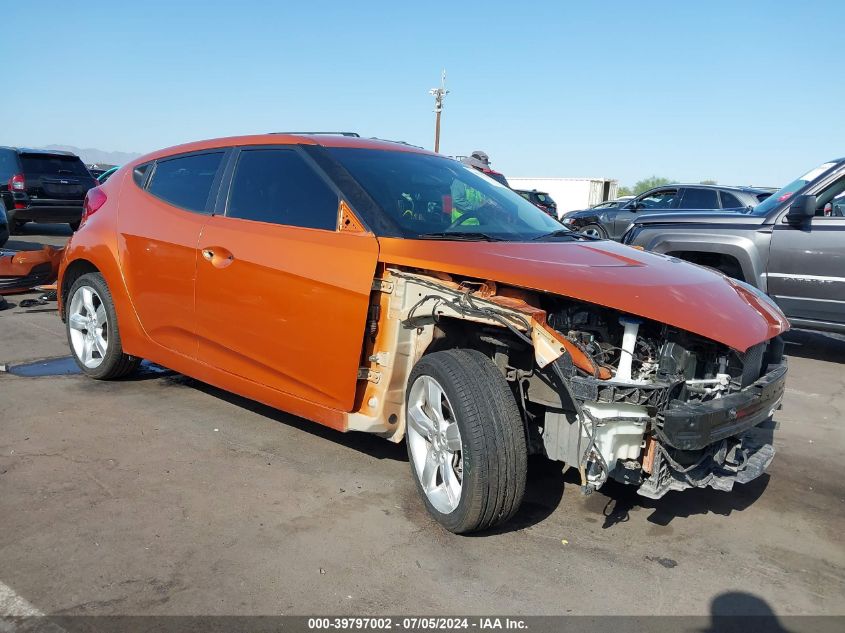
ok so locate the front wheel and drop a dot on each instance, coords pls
(92, 331)
(593, 230)
(466, 440)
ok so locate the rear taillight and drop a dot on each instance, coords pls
(94, 199)
(17, 183)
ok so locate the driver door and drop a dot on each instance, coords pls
(806, 274)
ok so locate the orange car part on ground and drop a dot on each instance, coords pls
(23, 270)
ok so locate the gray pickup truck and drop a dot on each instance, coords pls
(791, 246)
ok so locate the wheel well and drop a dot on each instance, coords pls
(74, 271)
(725, 263)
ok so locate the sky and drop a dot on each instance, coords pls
(739, 92)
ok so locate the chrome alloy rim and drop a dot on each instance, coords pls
(592, 232)
(89, 327)
(434, 440)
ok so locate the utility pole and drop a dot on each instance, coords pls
(439, 94)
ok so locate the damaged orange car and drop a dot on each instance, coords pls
(376, 287)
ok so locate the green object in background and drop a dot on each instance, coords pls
(105, 175)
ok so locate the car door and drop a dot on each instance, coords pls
(282, 294)
(806, 273)
(163, 208)
(655, 201)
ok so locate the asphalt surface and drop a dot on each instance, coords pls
(161, 495)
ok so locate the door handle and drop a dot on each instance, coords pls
(219, 257)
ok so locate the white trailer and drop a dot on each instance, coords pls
(570, 193)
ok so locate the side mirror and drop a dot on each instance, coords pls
(634, 206)
(802, 209)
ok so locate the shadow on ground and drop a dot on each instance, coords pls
(815, 345)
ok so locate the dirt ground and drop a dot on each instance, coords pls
(161, 495)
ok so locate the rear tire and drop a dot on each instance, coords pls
(74, 226)
(476, 438)
(92, 330)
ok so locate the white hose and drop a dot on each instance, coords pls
(629, 340)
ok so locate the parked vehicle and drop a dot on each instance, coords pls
(42, 186)
(329, 276)
(791, 246)
(614, 221)
(540, 199)
(571, 193)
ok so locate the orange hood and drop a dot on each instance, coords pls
(652, 286)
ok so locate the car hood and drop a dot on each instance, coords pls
(653, 286)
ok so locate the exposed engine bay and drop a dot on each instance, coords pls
(610, 394)
(651, 423)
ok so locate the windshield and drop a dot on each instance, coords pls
(439, 198)
(47, 165)
(787, 192)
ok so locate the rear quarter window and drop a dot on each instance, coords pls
(186, 181)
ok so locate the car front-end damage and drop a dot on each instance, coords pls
(612, 394)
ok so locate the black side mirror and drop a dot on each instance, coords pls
(802, 209)
(634, 206)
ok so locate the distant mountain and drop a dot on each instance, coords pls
(91, 155)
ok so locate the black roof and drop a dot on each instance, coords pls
(31, 150)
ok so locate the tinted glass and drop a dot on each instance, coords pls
(186, 181)
(278, 186)
(436, 197)
(8, 165)
(663, 199)
(56, 166)
(730, 201)
(699, 199)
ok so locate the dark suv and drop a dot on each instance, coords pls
(613, 222)
(540, 199)
(42, 186)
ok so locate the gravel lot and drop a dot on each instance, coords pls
(161, 495)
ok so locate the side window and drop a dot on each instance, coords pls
(8, 165)
(730, 201)
(831, 200)
(662, 199)
(186, 181)
(279, 187)
(699, 199)
(139, 174)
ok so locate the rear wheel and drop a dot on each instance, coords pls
(466, 440)
(92, 330)
(593, 230)
(74, 226)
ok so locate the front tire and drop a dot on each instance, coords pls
(92, 330)
(466, 441)
(593, 230)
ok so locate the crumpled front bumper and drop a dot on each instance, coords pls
(731, 437)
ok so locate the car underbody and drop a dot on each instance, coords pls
(613, 395)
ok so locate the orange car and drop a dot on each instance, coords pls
(373, 286)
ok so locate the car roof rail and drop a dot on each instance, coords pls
(353, 134)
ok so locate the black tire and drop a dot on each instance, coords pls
(74, 226)
(115, 364)
(590, 229)
(494, 453)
